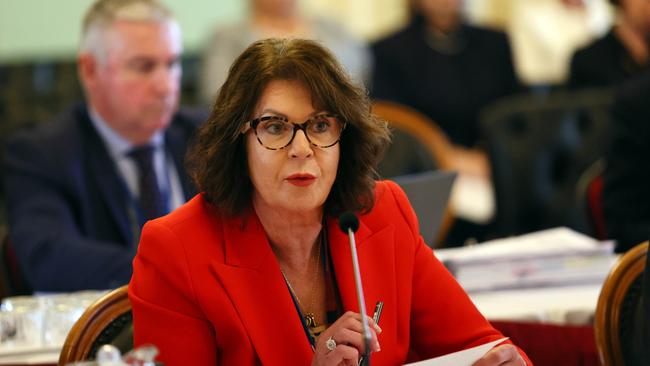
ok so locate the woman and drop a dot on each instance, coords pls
(446, 69)
(255, 270)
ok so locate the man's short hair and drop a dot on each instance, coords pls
(103, 13)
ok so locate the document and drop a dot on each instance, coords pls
(548, 258)
(461, 358)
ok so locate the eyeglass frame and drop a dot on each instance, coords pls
(252, 124)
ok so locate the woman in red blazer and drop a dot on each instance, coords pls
(254, 270)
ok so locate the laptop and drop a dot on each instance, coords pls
(428, 193)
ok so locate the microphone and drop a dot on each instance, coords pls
(349, 224)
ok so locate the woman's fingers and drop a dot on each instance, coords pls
(354, 334)
(343, 341)
(359, 327)
(503, 355)
(342, 354)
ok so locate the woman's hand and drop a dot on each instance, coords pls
(503, 355)
(347, 333)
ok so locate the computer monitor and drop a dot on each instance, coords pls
(428, 193)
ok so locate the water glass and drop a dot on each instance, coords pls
(21, 321)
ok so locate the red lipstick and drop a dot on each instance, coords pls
(301, 179)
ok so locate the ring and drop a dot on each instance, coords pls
(330, 344)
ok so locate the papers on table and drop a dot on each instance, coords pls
(461, 358)
(472, 198)
(551, 305)
(554, 257)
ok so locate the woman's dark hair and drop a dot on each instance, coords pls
(217, 161)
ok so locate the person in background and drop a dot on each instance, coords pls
(277, 18)
(622, 53)
(444, 68)
(449, 71)
(626, 180)
(254, 270)
(546, 33)
(80, 187)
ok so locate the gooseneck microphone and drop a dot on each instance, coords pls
(349, 224)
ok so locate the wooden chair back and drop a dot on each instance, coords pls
(107, 321)
(419, 126)
(430, 136)
(617, 324)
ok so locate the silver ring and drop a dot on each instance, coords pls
(330, 344)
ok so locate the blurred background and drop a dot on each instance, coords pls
(38, 79)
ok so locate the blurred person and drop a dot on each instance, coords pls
(546, 33)
(626, 187)
(80, 187)
(446, 69)
(622, 53)
(277, 18)
(254, 270)
(449, 71)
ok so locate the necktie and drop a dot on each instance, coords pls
(152, 202)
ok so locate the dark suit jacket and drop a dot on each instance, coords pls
(449, 88)
(215, 281)
(71, 217)
(626, 195)
(605, 62)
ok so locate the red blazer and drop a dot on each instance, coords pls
(207, 290)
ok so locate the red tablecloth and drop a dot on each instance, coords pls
(553, 345)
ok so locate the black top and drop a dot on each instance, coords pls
(605, 62)
(448, 79)
(626, 195)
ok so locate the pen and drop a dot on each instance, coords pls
(363, 361)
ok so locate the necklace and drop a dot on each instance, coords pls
(310, 318)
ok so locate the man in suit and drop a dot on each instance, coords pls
(80, 187)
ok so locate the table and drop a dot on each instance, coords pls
(552, 344)
(41, 357)
(566, 305)
(554, 326)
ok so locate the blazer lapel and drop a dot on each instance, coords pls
(111, 186)
(251, 276)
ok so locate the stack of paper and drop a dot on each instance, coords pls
(554, 257)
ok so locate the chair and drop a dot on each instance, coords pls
(413, 133)
(107, 320)
(418, 145)
(590, 198)
(538, 148)
(619, 311)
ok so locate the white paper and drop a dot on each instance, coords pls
(465, 357)
(551, 242)
(548, 258)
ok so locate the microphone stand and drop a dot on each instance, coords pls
(360, 297)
